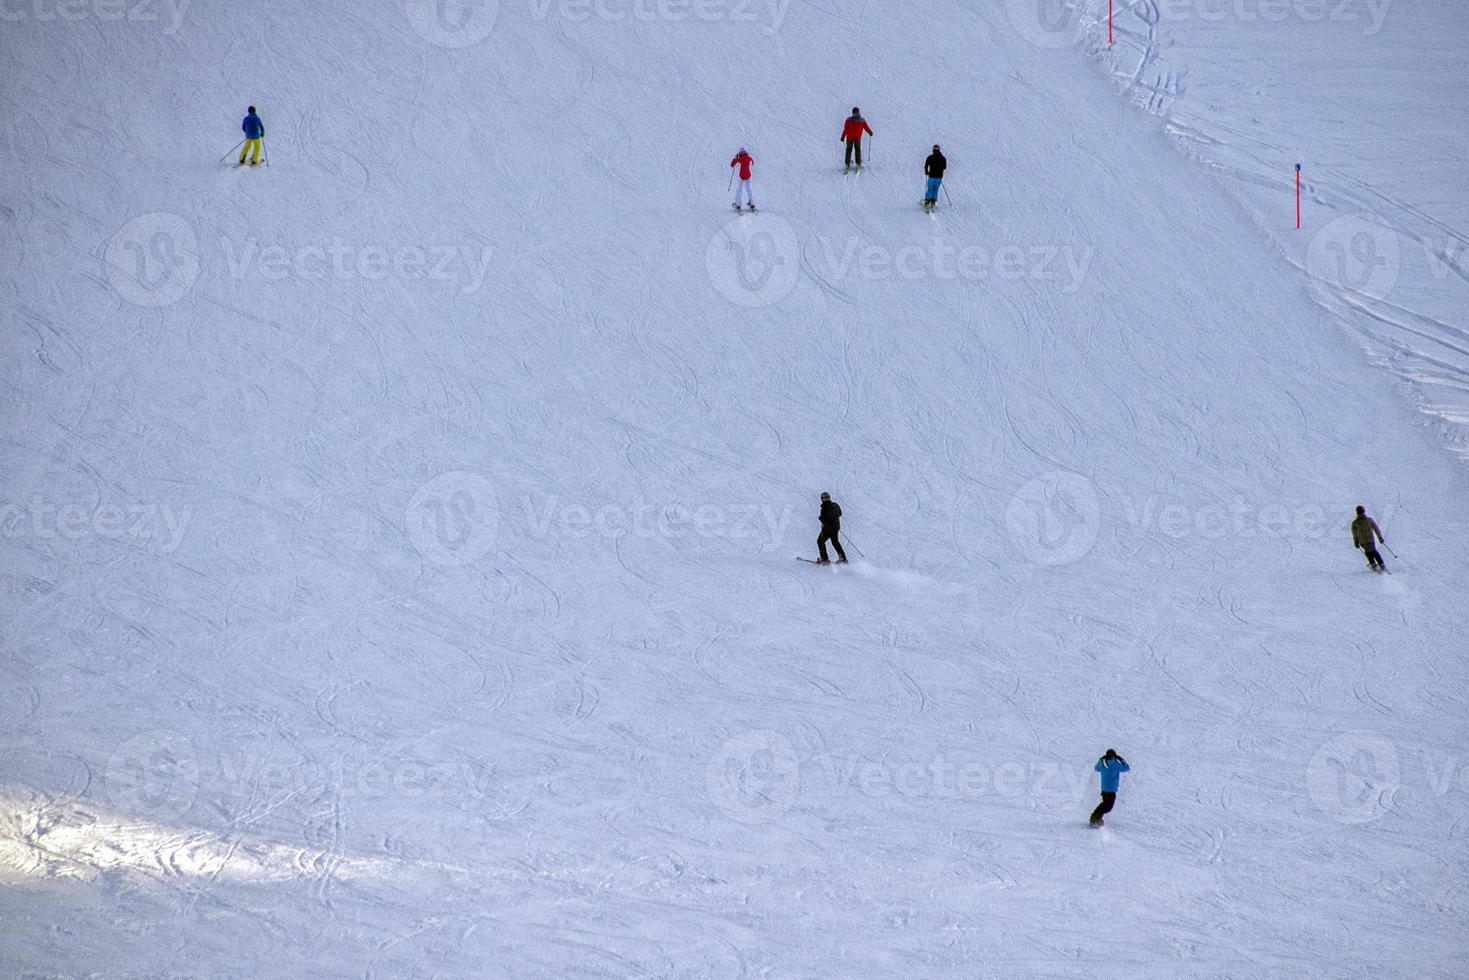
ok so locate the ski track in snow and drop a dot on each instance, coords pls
(293, 743)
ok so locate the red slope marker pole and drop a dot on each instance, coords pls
(1109, 21)
(1298, 196)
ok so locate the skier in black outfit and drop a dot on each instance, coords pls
(933, 169)
(831, 526)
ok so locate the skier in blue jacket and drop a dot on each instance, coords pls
(254, 131)
(1111, 766)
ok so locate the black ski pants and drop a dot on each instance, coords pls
(1374, 560)
(830, 534)
(854, 147)
(1104, 807)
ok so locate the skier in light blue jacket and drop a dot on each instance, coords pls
(1111, 766)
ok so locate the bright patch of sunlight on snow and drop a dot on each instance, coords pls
(76, 840)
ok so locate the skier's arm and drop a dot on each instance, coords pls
(1378, 531)
(1101, 765)
(1122, 765)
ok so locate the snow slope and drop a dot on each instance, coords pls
(1360, 92)
(398, 539)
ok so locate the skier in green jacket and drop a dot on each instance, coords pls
(1365, 535)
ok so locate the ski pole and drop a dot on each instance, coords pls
(1390, 551)
(231, 150)
(854, 546)
(946, 195)
(266, 150)
(731, 180)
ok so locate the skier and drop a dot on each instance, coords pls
(1363, 530)
(1111, 766)
(743, 192)
(852, 132)
(933, 169)
(254, 133)
(831, 526)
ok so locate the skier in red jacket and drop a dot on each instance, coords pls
(852, 132)
(743, 192)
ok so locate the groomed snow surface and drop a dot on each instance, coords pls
(398, 539)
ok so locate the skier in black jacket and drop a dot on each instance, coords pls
(831, 526)
(933, 169)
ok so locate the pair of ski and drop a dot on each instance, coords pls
(814, 561)
(928, 206)
(752, 209)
